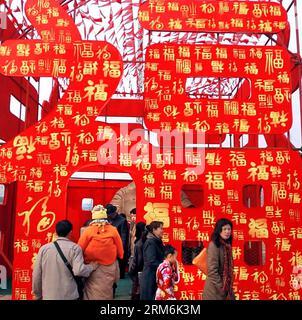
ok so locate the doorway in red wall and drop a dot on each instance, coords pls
(89, 187)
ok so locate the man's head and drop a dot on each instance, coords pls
(111, 211)
(133, 214)
(63, 228)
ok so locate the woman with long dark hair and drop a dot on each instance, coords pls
(219, 282)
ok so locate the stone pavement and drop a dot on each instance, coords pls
(122, 291)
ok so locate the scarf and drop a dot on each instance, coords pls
(227, 267)
(151, 235)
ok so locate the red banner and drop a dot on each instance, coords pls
(263, 107)
(213, 16)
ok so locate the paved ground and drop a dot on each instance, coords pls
(122, 291)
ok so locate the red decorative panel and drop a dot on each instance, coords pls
(213, 16)
(168, 106)
(273, 215)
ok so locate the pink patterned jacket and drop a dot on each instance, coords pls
(166, 277)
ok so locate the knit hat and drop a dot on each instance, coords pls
(99, 212)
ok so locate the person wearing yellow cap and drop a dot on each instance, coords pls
(101, 243)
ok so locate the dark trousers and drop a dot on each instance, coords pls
(114, 289)
(135, 294)
(122, 264)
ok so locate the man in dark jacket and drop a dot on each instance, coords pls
(153, 253)
(136, 262)
(122, 227)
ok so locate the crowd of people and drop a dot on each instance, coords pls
(108, 244)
